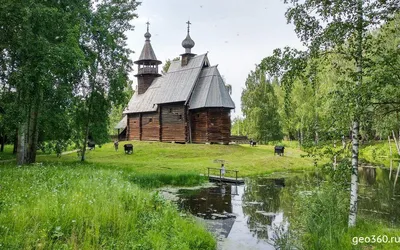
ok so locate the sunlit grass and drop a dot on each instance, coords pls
(81, 206)
(168, 158)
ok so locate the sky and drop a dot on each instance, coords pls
(236, 34)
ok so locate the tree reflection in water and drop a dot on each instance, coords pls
(267, 201)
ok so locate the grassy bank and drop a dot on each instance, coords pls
(379, 152)
(84, 207)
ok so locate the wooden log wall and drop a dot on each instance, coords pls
(133, 132)
(218, 125)
(211, 125)
(150, 127)
(173, 123)
(199, 126)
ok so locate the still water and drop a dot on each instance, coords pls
(247, 216)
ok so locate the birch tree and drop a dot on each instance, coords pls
(333, 26)
(105, 76)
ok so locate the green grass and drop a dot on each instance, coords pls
(168, 158)
(82, 206)
(379, 152)
(7, 154)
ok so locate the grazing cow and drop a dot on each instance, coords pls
(253, 143)
(91, 145)
(279, 150)
(128, 149)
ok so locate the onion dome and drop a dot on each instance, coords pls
(188, 43)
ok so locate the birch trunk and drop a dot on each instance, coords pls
(356, 125)
(21, 151)
(354, 176)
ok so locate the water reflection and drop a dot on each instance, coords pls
(379, 195)
(246, 217)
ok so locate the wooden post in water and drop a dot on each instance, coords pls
(236, 176)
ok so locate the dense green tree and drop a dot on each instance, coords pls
(39, 49)
(63, 63)
(105, 76)
(327, 25)
(260, 108)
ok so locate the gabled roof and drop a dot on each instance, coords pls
(210, 91)
(176, 86)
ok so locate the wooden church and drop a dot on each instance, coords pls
(190, 103)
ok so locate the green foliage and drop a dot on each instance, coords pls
(260, 107)
(83, 207)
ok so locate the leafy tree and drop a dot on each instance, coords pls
(384, 78)
(39, 50)
(62, 63)
(260, 107)
(285, 67)
(327, 25)
(105, 76)
(116, 111)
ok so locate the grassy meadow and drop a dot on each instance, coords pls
(109, 202)
(169, 158)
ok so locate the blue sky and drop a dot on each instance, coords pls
(237, 34)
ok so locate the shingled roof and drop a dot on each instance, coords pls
(196, 83)
(210, 91)
(147, 53)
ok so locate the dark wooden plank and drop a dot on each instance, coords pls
(225, 179)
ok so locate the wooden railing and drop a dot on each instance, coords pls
(147, 71)
(220, 172)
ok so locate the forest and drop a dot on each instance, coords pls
(293, 95)
(64, 66)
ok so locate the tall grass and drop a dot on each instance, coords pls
(319, 220)
(83, 207)
(167, 179)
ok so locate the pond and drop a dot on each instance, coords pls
(247, 216)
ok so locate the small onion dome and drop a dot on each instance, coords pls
(147, 35)
(188, 43)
